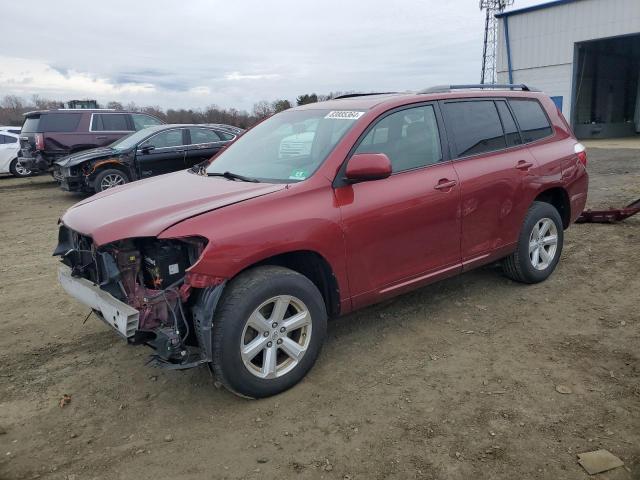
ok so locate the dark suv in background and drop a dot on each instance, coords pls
(49, 135)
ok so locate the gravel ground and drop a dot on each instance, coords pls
(454, 381)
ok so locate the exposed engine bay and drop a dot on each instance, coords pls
(148, 275)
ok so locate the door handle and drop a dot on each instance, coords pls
(524, 165)
(445, 184)
(101, 137)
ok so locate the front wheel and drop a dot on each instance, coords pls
(17, 170)
(109, 178)
(539, 245)
(267, 331)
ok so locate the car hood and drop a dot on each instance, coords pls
(92, 154)
(147, 207)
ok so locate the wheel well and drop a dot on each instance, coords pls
(315, 268)
(559, 198)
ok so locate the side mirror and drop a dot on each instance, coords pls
(146, 149)
(363, 167)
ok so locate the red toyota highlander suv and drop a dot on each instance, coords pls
(318, 211)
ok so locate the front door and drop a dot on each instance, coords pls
(404, 230)
(162, 153)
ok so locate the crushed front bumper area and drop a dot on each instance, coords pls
(138, 287)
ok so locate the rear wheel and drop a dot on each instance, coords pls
(267, 331)
(109, 178)
(539, 245)
(17, 170)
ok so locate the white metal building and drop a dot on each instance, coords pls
(585, 54)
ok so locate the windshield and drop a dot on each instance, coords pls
(131, 140)
(288, 147)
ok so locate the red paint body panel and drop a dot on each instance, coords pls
(381, 237)
(146, 208)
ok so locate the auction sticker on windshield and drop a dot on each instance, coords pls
(344, 115)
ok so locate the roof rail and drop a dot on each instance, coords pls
(480, 86)
(351, 95)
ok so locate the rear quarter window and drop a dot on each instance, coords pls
(59, 122)
(531, 118)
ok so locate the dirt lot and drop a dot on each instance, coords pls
(455, 381)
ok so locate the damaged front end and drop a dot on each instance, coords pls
(141, 288)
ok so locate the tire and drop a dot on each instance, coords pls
(109, 178)
(18, 170)
(260, 289)
(525, 265)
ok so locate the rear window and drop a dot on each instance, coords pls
(31, 124)
(59, 122)
(475, 126)
(533, 122)
(109, 122)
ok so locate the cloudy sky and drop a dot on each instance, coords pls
(193, 53)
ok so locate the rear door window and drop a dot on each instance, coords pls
(203, 135)
(475, 127)
(532, 120)
(109, 122)
(510, 128)
(409, 137)
(59, 122)
(141, 121)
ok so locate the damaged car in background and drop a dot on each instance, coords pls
(238, 264)
(151, 151)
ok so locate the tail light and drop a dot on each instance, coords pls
(581, 152)
(39, 141)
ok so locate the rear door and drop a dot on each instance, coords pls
(491, 164)
(161, 153)
(106, 128)
(204, 143)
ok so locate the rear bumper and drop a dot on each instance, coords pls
(118, 315)
(35, 164)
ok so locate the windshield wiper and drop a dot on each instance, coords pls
(233, 176)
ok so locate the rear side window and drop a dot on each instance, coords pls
(409, 137)
(8, 139)
(475, 126)
(203, 135)
(532, 120)
(109, 122)
(226, 136)
(59, 122)
(510, 129)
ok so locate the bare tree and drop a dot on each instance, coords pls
(262, 110)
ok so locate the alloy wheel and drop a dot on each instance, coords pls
(543, 243)
(276, 337)
(20, 170)
(112, 180)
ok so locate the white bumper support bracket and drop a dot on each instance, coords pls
(115, 313)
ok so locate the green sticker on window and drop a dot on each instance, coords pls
(298, 174)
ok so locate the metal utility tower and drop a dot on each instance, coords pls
(491, 37)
